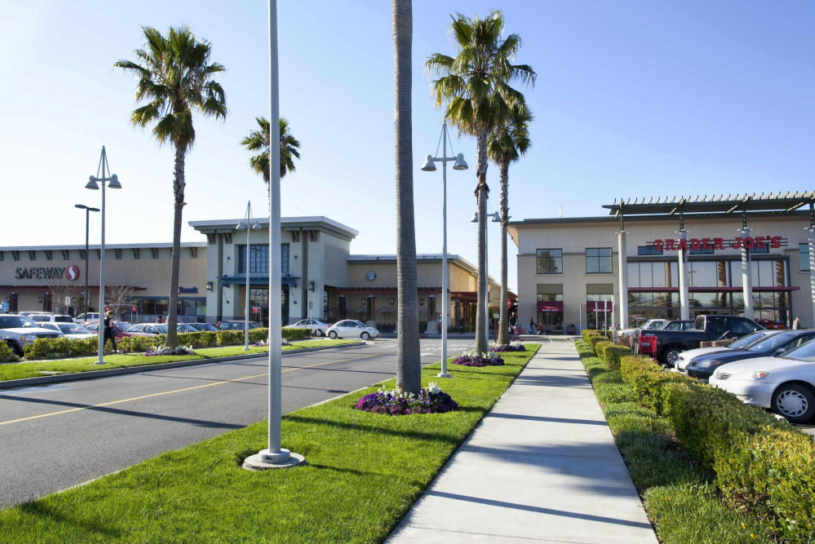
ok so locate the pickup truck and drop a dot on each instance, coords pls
(19, 330)
(669, 344)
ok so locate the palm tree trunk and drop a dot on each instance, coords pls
(178, 192)
(408, 364)
(503, 325)
(481, 193)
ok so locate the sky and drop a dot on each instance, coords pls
(633, 99)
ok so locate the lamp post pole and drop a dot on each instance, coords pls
(248, 225)
(429, 166)
(113, 183)
(88, 211)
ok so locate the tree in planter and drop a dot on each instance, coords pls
(175, 77)
(475, 87)
(258, 140)
(59, 292)
(118, 297)
(506, 145)
(408, 362)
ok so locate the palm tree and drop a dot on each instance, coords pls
(258, 140)
(408, 363)
(506, 144)
(175, 77)
(475, 87)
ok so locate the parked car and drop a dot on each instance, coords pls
(775, 344)
(90, 316)
(74, 331)
(203, 327)
(351, 328)
(624, 336)
(318, 327)
(647, 347)
(51, 318)
(122, 327)
(235, 325)
(684, 358)
(785, 385)
(186, 327)
(707, 328)
(153, 329)
(18, 331)
(29, 313)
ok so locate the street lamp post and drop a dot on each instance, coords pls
(274, 456)
(88, 211)
(495, 219)
(249, 225)
(429, 166)
(93, 184)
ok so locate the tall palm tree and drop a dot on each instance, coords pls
(408, 363)
(258, 140)
(475, 87)
(506, 145)
(175, 77)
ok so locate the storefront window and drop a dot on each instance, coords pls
(598, 260)
(259, 259)
(550, 261)
(803, 255)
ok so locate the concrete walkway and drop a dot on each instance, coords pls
(541, 466)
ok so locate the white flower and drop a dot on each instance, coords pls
(433, 388)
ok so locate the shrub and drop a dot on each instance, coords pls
(613, 354)
(5, 351)
(475, 359)
(771, 473)
(130, 344)
(60, 348)
(708, 420)
(601, 347)
(229, 338)
(296, 333)
(258, 335)
(647, 381)
(589, 333)
(594, 340)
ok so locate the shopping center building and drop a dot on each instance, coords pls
(673, 258)
(320, 277)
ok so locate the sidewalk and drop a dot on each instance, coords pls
(542, 465)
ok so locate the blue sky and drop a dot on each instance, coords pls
(634, 98)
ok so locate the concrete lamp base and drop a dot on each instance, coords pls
(266, 460)
(443, 375)
(99, 363)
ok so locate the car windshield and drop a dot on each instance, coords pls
(16, 322)
(123, 325)
(162, 329)
(806, 352)
(72, 328)
(745, 341)
(772, 341)
(653, 325)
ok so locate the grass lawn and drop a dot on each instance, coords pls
(679, 494)
(85, 364)
(364, 472)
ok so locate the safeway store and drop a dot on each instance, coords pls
(670, 258)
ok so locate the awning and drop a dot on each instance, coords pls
(257, 280)
(550, 306)
(600, 306)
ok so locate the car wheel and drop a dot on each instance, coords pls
(15, 349)
(319, 333)
(671, 356)
(365, 336)
(795, 402)
(333, 335)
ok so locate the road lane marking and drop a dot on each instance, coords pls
(192, 388)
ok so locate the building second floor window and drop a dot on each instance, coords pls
(550, 261)
(598, 260)
(803, 253)
(649, 250)
(259, 259)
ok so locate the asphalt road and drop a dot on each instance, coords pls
(59, 436)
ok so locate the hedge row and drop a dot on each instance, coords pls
(762, 465)
(63, 348)
(5, 352)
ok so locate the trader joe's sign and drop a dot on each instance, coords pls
(747, 242)
(48, 273)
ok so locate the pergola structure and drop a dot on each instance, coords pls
(716, 206)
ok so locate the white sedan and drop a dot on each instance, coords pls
(318, 327)
(69, 330)
(785, 385)
(351, 328)
(686, 357)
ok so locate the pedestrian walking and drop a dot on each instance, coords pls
(159, 320)
(109, 335)
(461, 325)
(796, 324)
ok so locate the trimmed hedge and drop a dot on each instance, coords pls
(773, 474)
(647, 381)
(601, 346)
(612, 355)
(594, 340)
(5, 351)
(589, 333)
(61, 348)
(292, 333)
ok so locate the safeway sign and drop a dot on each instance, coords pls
(70, 273)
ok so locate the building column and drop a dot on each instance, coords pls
(684, 297)
(622, 258)
(746, 275)
(811, 231)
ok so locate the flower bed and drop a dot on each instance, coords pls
(163, 350)
(398, 403)
(514, 346)
(483, 359)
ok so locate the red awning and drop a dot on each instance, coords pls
(550, 306)
(598, 307)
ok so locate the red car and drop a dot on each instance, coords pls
(121, 328)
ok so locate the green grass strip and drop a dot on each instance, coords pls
(364, 472)
(86, 364)
(679, 495)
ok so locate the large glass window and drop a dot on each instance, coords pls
(550, 261)
(803, 255)
(259, 259)
(648, 250)
(598, 260)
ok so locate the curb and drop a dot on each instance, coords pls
(94, 374)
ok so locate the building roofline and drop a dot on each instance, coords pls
(664, 218)
(318, 221)
(99, 246)
(425, 257)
